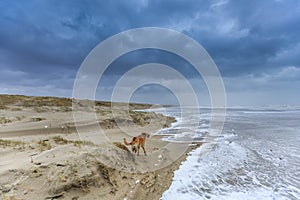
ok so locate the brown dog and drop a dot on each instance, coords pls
(138, 141)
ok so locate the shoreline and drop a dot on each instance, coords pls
(71, 165)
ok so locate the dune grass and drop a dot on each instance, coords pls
(44, 145)
(3, 107)
(4, 120)
(10, 143)
(77, 143)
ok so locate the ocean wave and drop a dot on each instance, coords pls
(230, 171)
(255, 157)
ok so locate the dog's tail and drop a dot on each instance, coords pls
(129, 143)
(125, 142)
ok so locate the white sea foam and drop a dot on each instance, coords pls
(198, 175)
(256, 157)
(257, 194)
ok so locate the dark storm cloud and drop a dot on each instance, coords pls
(46, 41)
(61, 33)
(243, 36)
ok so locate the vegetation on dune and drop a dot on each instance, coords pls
(37, 119)
(47, 101)
(104, 112)
(113, 114)
(10, 143)
(134, 118)
(44, 145)
(4, 120)
(11, 99)
(60, 140)
(16, 109)
(65, 109)
(78, 143)
(144, 118)
(41, 109)
(103, 103)
(20, 118)
(3, 107)
(30, 101)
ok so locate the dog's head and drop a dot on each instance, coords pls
(145, 135)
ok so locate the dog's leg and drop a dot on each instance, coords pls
(133, 148)
(144, 150)
(138, 149)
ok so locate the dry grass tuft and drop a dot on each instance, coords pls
(16, 109)
(77, 143)
(43, 145)
(37, 119)
(41, 109)
(60, 140)
(3, 107)
(4, 120)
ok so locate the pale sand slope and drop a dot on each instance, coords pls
(52, 163)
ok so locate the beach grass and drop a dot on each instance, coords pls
(10, 143)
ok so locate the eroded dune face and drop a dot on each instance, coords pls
(57, 166)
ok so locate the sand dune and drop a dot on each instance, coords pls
(45, 156)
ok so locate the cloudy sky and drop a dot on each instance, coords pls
(255, 45)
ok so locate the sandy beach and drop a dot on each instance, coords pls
(44, 156)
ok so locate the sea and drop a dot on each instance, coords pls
(256, 155)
